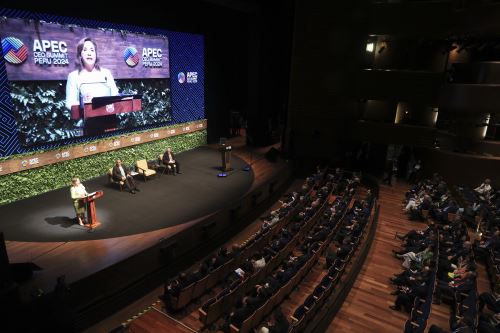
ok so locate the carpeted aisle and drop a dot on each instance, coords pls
(162, 202)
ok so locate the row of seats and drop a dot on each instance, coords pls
(493, 265)
(247, 249)
(217, 305)
(306, 312)
(256, 318)
(422, 306)
(464, 303)
(482, 216)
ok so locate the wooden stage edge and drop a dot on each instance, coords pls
(107, 274)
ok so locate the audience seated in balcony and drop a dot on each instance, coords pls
(463, 325)
(277, 324)
(484, 190)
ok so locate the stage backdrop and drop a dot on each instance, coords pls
(47, 51)
(41, 146)
(39, 51)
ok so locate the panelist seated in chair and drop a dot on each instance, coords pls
(170, 161)
(122, 173)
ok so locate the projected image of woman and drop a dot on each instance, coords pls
(90, 80)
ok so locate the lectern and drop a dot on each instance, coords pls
(226, 157)
(89, 202)
(104, 107)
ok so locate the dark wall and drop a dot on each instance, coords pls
(247, 50)
(328, 51)
(269, 52)
(460, 168)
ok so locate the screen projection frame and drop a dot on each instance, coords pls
(186, 53)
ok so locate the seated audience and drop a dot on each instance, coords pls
(277, 324)
(463, 325)
(484, 189)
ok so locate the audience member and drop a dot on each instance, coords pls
(484, 189)
(278, 323)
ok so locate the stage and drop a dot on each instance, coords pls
(143, 238)
(162, 202)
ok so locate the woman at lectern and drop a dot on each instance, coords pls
(78, 191)
(87, 81)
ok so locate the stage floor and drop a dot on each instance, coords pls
(81, 261)
(162, 202)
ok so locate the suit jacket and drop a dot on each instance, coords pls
(165, 157)
(117, 174)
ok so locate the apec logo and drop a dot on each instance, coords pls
(181, 77)
(14, 50)
(192, 77)
(189, 77)
(131, 56)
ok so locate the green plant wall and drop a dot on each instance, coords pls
(32, 182)
(43, 117)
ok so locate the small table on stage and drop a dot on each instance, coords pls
(89, 201)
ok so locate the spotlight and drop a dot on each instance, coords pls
(222, 174)
(369, 47)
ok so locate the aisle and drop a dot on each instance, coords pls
(366, 308)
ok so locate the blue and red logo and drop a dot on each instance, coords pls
(14, 51)
(131, 56)
(181, 77)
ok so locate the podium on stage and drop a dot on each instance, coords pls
(105, 106)
(225, 157)
(89, 202)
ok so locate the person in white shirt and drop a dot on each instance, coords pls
(484, 189)
(90, 80)
(78, 192)
(258, 261)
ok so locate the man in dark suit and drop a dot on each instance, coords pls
(464, 325)
(170, 161)
(122, 173)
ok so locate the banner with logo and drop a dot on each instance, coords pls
(165, 68)
(34, 50)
